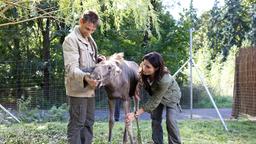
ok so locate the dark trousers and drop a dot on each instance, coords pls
(80, 126)
(118, 104)
(171, 125)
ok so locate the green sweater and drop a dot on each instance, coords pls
(166, 91)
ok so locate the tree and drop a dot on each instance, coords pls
(235, 25)
(214, 29)
(251, 6)
(40, 30)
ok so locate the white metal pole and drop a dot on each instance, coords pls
(191, 79)
(174, 75)
(210, 96)
(9, 113)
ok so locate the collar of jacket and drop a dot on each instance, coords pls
(80, 37)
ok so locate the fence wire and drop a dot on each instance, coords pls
(245, 83)
(26, 79)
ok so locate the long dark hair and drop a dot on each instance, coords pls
(156, 60)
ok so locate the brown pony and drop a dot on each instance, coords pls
(119, 77)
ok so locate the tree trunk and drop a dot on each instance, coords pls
(46, 56)
(18, 67)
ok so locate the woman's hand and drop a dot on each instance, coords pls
(129, 117)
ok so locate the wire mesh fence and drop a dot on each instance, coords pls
(245, 83)
(25, 84)
(23, 79)
(28, 80)
(39, 84)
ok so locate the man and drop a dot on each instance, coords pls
(80, 52)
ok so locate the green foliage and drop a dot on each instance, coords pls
(213, 132)
(228, 26)
(221, 102)
(192, 132)
(24, 104)
(215, 72)
(29, 114)
(227, 74)
(38, 41)
(219, 75)
(202, 100)
(32, 59)
(5, 118)
(57, 114)
(34, 133)
(220, 33)
(173, 43)
(140, 11)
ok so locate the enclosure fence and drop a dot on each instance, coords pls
(245, 83)
(37, 83)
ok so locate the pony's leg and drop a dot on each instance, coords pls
(111, 104)
(136, 103)
(128, 126)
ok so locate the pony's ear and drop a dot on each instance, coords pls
(117, 56)
(120, 56)
(140, 67)
(141, 64)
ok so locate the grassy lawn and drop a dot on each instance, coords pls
(192, 132)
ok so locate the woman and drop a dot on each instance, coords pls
(164, 93)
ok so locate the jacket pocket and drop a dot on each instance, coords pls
(176, 95)
(75, 85)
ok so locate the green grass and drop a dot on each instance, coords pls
(192, 132)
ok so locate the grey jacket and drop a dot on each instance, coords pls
(166, 91)
(78, 54)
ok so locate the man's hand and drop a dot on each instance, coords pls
(93, 83)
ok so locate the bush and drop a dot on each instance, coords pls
(220, 101)
(201, 98)
(26, 114)
(58, 114)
